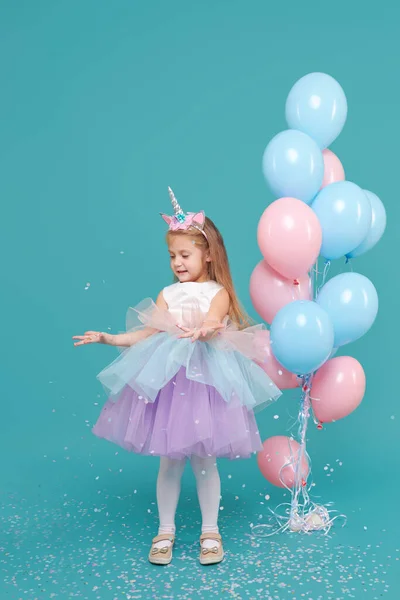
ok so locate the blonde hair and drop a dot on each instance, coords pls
(218, 267)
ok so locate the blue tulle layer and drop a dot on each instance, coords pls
(148, 366)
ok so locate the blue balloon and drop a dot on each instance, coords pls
(344, 213)
(334, 352)
(293, 166)
(351, 301)
(302, 336)
(317, 106)
(377, 227)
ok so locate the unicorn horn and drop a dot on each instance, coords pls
(174, 202)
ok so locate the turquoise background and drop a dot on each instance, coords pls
(103, 105)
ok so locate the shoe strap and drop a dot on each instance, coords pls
(210, 536)
(167, 537)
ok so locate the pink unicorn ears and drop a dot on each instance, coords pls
(182, 221)
(199, 218)
(167, 218)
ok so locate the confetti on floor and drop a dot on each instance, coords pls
(71, 548)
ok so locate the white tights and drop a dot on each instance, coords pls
(169, 487)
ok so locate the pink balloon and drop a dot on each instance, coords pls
(283, 379)
(278, 451)
(270, 291)
(289, 236)
(333, 168)
(337, 388)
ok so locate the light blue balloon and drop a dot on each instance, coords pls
(377, 227)
(293, 166)
(334, 352)
(344, 213)
(301, 336)
(317, 106)
(351, 301)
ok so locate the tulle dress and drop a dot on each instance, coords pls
(177, 398)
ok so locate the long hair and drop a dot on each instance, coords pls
(218, 267)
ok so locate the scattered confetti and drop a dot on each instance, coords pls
(72, 540)
(68, 548)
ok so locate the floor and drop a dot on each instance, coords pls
(79, 528)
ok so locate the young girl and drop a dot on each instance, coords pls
(187, 382)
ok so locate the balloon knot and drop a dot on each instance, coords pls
(303, 482)
(305, 388)
(319, 426)
(296, 282)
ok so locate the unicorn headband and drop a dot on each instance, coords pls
(180, 220)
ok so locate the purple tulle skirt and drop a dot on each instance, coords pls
(171, 397)
(186, 418)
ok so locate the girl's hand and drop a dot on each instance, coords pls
(202, 334)
(92, 337)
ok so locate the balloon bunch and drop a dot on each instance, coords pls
(317, 213)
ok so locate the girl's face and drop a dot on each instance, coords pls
(188, 261)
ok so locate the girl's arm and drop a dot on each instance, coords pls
(122, 339)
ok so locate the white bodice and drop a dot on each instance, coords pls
(186, 300)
